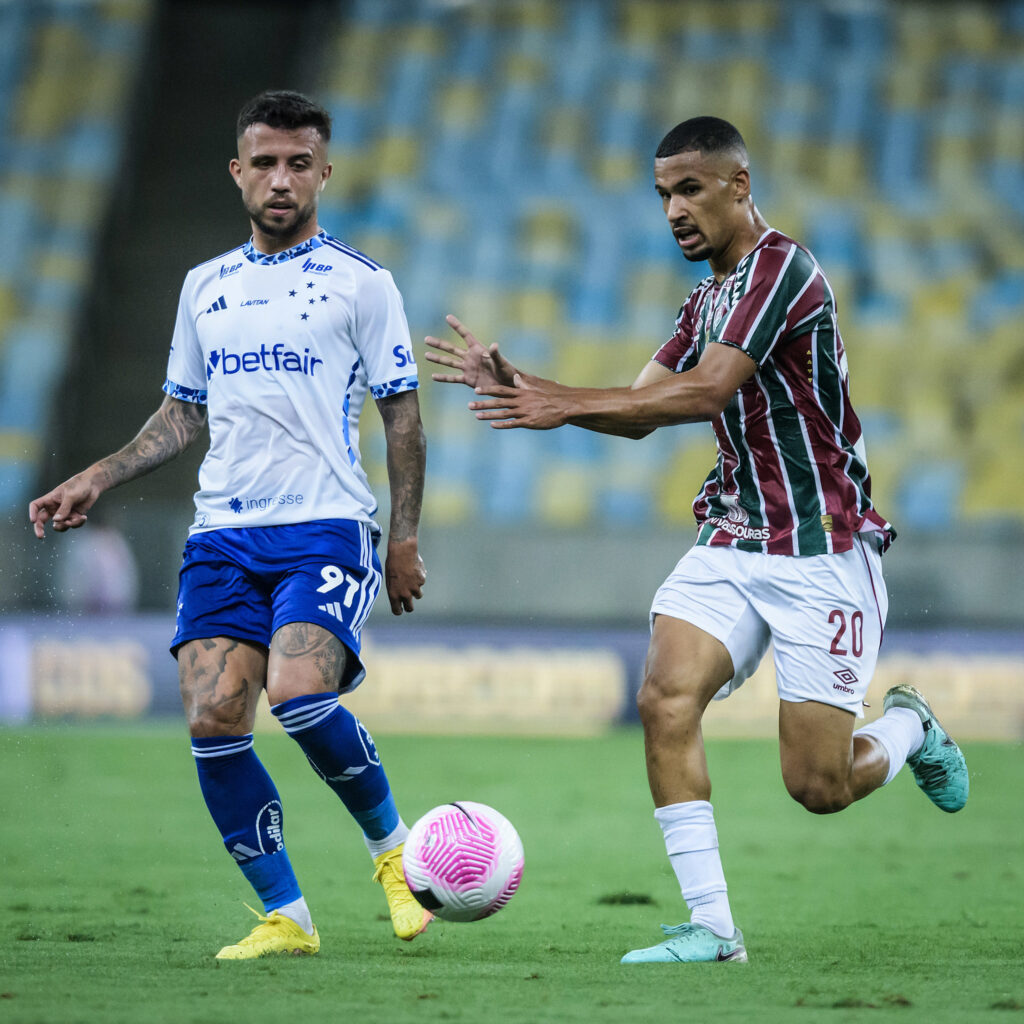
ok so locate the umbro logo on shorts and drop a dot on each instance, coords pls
(846, 678)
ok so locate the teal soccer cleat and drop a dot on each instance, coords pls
(939, 766)
(691, 944)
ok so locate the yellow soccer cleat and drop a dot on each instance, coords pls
(407, 915)
(275, 934)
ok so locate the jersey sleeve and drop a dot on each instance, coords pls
(680, 352)
(785, 288)
(186, 368)
(382, 337)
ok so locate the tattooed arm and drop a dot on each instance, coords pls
(404, 574)
(166, 434)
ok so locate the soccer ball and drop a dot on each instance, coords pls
(463, 861)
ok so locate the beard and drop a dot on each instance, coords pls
(698, 255)
(275, 228)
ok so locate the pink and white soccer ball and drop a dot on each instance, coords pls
(463, 861)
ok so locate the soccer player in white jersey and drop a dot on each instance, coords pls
(789, 543)
(278, 343)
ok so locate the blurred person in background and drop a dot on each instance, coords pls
(278, 342)
(97, 573)
(789, 544)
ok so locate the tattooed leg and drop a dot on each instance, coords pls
(220, 681)
(305, 669)
(304, 659)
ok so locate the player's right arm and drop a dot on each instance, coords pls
(481, 367)
(165, 435)
(478, 365)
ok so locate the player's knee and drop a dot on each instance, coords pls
(662, 698)
(819, 795)
(220, 721)
(208, 716)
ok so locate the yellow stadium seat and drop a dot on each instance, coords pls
(535, 309)
(52, 95)
(397, 156)
(448, 503)
(587, 363)
(566, 494)
(461, 105)
(683, 478)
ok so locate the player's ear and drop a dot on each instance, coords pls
(235, 169)
(325, 174)
(741, 184)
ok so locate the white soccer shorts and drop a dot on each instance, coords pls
(823, 613)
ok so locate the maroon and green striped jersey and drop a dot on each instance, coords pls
(791, 476)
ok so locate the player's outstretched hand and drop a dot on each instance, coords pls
(404, 575)
(526, 404)
(477, 365)
(65, 506)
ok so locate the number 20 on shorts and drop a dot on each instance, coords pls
(837, 618)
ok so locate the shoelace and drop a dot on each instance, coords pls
(928, 771)
(262, 917)
(678, 929)
(392, 880)
(266, 927)
(931, 772)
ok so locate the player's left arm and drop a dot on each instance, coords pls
(692, 396)
(404, 574)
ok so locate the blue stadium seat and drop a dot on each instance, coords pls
(861, 122)
(930, 493)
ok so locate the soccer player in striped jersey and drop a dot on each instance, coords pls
(277, 344)
(788, 547)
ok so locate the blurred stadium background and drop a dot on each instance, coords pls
(496, 156)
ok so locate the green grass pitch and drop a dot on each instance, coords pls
(116, 892)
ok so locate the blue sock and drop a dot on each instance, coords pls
(246, 808)
(342, 753)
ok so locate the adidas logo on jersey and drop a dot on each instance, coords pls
(217, 306)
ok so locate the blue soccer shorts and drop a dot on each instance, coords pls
(248, 583)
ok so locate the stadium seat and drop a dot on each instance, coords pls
(556, 109)
(65, 71)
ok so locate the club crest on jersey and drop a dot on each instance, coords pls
(734, 511)
(317, 268)
(276, 359)
(736, 520)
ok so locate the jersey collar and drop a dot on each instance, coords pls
(253, 255)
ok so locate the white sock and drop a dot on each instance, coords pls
(389, 842)
(299, 913)
(900, 733)
(691, 840)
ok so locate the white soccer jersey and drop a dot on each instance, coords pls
(282, 350)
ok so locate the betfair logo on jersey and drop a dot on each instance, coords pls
(274, 360)
(317, 268)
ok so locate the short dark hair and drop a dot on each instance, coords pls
(704, 134)
(281, 108)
